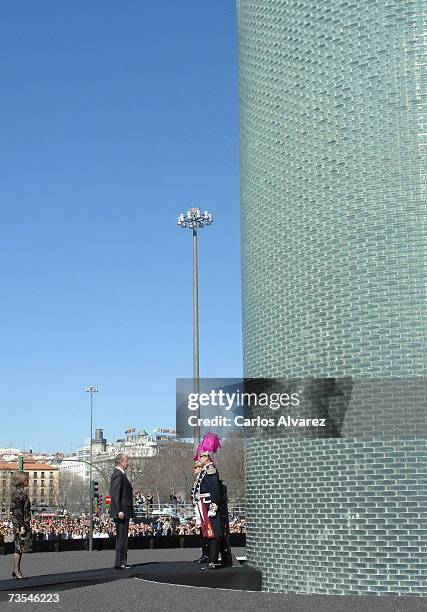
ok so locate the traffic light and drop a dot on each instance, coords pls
(99, 501)
(94, 490)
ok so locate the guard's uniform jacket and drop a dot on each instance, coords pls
(206, 499)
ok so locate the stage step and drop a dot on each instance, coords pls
(172, 572)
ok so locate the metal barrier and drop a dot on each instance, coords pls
(143, 542)
(168, 509)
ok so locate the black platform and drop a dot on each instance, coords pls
(173, 572)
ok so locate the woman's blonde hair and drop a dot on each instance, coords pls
(20, 479)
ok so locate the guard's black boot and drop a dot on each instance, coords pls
(225, 552)
(205, 552)
(213, 553)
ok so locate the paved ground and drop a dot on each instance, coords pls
(46, 563)
(131, 595)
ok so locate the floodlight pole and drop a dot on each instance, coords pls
(196, 377)
(195, 219)
(91, 390)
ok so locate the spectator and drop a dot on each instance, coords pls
(20, 506)
(150, 501)
(66, 527)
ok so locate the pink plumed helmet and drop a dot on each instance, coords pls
(210, 444)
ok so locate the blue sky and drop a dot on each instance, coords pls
(115, 118)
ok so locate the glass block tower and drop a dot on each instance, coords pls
(334, 245)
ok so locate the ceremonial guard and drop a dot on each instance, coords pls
(210, 504)
(207, 494)
(204, 558)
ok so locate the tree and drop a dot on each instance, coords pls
(72, 493)
(231, 466)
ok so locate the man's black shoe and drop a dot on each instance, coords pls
(202, 559)
(121, 567)
(211, 566)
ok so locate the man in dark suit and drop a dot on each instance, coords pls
(121, 508)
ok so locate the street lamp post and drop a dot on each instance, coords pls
(91, 390)
(194, 219)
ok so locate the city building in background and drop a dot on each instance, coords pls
(83, 455)
(135, 443)
(99, 443)
(333, 198)
(43, 485)
(74, 467)
(9, 454)
(51, 475)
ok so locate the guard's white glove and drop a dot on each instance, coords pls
(212, 510)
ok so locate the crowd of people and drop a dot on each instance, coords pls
(132, 515)
(52, 528)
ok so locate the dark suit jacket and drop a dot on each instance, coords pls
(121, 495)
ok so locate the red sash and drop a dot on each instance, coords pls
(206, 527)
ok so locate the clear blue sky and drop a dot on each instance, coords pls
(116, 116)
